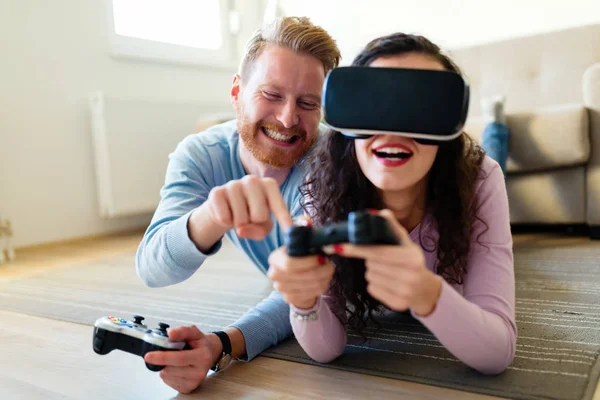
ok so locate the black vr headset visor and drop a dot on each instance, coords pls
(430, 106)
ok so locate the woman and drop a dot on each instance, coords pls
(447, 202)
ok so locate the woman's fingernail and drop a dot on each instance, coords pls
(373, 211)
(321, 259)
(302, 221)
(338, 248)
(328, 249)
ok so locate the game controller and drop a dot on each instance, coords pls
(133, 337)
(361, 228)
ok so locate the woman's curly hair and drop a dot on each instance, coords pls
(337, 186)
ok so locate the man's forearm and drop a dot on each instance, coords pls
(238, 344)
(167, 255)
(265, 325)
(202, 230)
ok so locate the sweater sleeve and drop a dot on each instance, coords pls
(479, 327)
(166, 254)
(323, 337)
(265, 325)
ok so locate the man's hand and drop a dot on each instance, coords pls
(185, 370)
(245, 205)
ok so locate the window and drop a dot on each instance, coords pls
(183, 31)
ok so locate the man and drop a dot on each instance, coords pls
(227, 181)
(496, 134)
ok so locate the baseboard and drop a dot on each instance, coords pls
(561, 229)
(83, 239)
(595, 232)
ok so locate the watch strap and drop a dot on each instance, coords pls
(225, 341)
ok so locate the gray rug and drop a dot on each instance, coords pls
(558, 315)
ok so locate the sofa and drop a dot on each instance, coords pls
(551, 83)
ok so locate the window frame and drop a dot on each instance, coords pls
(125, 47)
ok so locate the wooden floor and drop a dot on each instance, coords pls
(48, 359)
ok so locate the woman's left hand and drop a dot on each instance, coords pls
(396, 275)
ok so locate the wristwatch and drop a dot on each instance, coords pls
(225, 357)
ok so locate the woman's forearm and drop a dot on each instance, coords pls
(319, 331)
(480, 336)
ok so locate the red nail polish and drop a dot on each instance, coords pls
(338, 248)
(321, 259)
(373, 211)
(300, 221)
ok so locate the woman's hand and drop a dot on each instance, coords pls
(396, 275)
(301, 280)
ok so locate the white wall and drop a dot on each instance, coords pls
(53, 53)
(449, 23)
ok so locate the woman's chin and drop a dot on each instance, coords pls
(389, 185)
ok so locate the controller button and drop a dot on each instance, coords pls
(138, 319)
(158, 332)
(162, 326)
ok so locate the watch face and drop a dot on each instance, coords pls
(224, 361)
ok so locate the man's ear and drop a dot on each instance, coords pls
(235, 91)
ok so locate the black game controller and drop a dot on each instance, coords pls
(132, 337)
(361, 228)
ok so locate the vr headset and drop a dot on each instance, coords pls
(430, 106)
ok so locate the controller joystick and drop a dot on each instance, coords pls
(163, 327)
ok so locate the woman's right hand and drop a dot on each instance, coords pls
(301, 280)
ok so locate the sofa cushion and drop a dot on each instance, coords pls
(591, 99)
(549, 138)
(551, 197)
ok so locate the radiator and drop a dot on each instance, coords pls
(132, 140)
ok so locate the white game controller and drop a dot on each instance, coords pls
(132, 337)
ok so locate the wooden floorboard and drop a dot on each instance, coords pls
(44, 358)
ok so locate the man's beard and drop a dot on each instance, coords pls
(271, 154)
